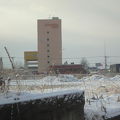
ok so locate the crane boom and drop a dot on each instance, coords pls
(9, 58)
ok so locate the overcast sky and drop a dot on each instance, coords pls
(86, 26)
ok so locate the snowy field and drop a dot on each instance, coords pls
(102, 93)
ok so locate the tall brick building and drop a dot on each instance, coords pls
(49, 43)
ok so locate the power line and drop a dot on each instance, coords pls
(71, 57)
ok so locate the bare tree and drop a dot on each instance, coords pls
(85, 63)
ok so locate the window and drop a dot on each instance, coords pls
(48, 45)
(48, 61)
(47, 39)
(48, 50)
(48, 56)
(47, 32)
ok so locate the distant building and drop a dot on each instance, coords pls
(98, 64)
(49, 43)
(68, 69)
(115, 68)
(93, 69)
(31, 61)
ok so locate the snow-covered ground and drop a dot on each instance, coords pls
(102, 93)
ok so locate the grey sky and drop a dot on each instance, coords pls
(86, 24)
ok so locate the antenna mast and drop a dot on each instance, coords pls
(105, 57)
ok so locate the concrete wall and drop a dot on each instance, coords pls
(66, 107)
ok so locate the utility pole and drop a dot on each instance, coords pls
(105, 62)
(105, 57)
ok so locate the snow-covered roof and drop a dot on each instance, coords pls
(13, 97)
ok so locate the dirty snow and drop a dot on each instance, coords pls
(102, 93)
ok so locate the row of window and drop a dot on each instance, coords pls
(48, 46)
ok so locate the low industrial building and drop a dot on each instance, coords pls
(115, 68)
(68, 69)
(31, 61)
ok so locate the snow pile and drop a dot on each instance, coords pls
(49, 80)
(67, 78)
(59, 78)
(101, 92)
(93, 77)
(96, 77)
(102, 108)
(117, 77)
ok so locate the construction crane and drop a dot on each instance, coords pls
(9, 58)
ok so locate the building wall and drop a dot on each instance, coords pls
(31, 61)
(49, 43)
(68, 69)
(115, 68)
